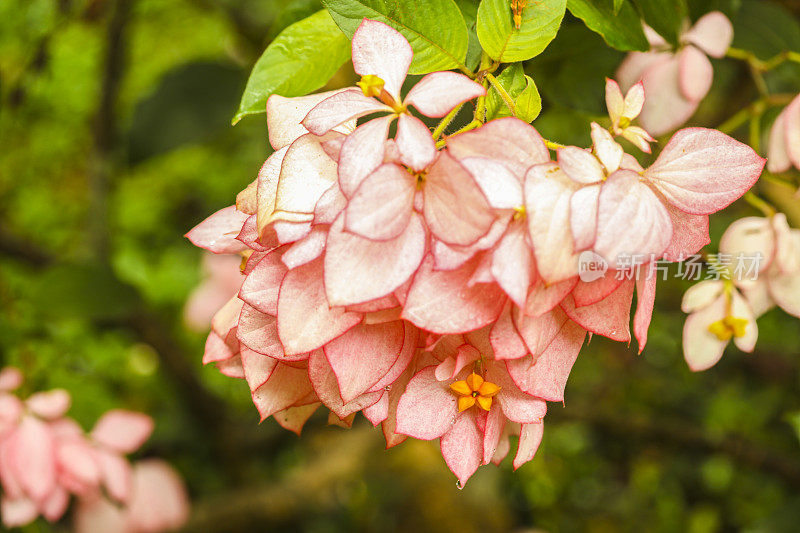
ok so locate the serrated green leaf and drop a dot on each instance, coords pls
(300, 60)
(664, 16)
(435, 28)
(503, 42)
(527, 102)
(622, 30)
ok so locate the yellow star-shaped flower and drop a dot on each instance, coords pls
(474, 390)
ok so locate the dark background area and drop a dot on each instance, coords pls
(115, 139)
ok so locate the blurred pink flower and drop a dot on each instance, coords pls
(784, 139)
(676, 81)
(222, 282)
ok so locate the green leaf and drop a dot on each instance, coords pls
(618, 5)
(765, 29)
(295, 11)
(435, 28)
(300, 60)
(622, 30)
(469, 9)
(521, 88)
(664, 16)
(504, 43)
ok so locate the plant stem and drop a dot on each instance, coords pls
(760, 204)
(503, 94)
(471, 126)
(446, 122)
(756, 108)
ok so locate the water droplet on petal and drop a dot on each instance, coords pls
(459, 486)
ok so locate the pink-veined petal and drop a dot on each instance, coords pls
(360, 357)
(591, 292)
(512, 262)
(380, 50)
(285, 116)
(635, 64)
(529, 440)
(267, 189)
(712, 32)
(645, 299)
(259, 332)
(501, 187)
(547, 197)
(749, 236)
(504, 337)
(701, 295)
(306, 173)
(382, 205)
(414, 140)
(294, 418)
(539, 332)
(257, 368)
(543, 297)
(380, 266)
(518, 406)
(701, 171)
(218, 232)
(631, 220)
(608, 151)
(455, 209)
(158, 498)
(492, 434)
(306, 249)
(792, 131)
(305, 319)
(777, 153)
(689, 234)
(327, 388)
(583, 216)
(438, 93)
(695, 73)
(362, 152)
(442, 302)
(545, 376)
(261, 286)
(701, 348)
(462, 447)
(615, 103)
(580, 165)
(340, 108)
(609, 317)
(634, 100)
(427, 409)
(285, 387)
(508, 140)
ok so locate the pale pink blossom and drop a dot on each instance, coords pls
(676, 81)
(717, 314)
(784, 139)
(623, 110)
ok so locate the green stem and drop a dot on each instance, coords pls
(759, 203)
(552, 145)
(503, 94)
(446, 122)
(471, 126)
(763, 65)
(756, 108)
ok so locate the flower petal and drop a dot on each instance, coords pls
(777, 153)
(305, 319)
(609, 317)
(442, 302)
(327, 388)
(285, 116)
(361, 356)
(517, 405)
(122, 431)
(580, 165)
(287, 386)
(695, 73)
(382, 205)
(645, 299)
(438, 93)
(508, 140)
(608, 151)
(583, 216)
(701, 171)
(615, 103)
(701, 348)
(455, 209)
(689, 234)
(631, 220)
(380, 50)
(427, 409)
(530, 438)
(665, 108)
(31, 451)
(362, 152)
(512, 263)
(712, 32)
(381, 266)
(501, 187)
(50, 404)
(547, 197)
(262, 285)
(506, 341)
(257, 368)
(462, 448)
(342, 107)
(218, 232)
(414, 140)
(294, 418)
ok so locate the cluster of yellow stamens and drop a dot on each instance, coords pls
(474, 390)
(728, 327)
(516, 8)
(373, 86)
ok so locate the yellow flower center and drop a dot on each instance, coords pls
(728, 327)
(474, 390)
(519, 212)
(371, 85)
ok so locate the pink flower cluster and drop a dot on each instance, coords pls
(436, 290)
(725, 310)
(677, 80)
(784, 139)
(45, 457)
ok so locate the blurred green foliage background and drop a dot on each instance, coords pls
(115, 139)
